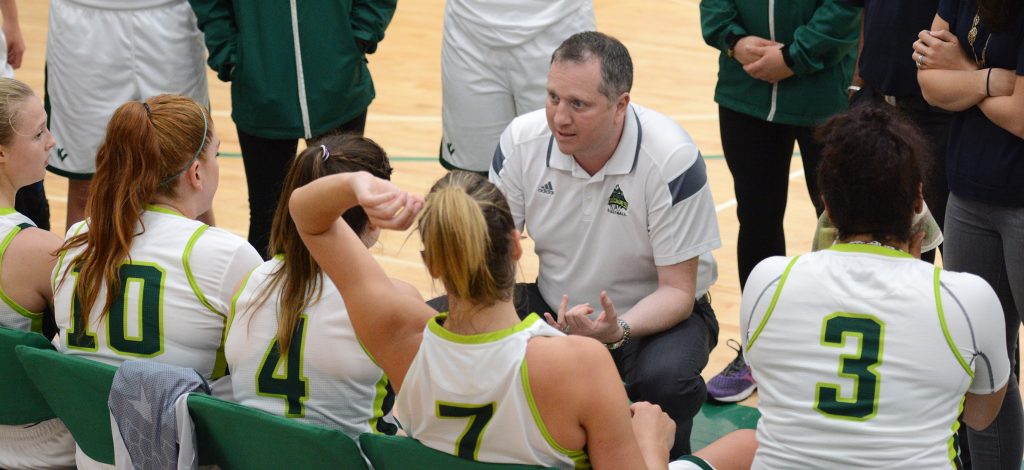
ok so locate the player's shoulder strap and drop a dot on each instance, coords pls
(771, 306)
(937, 286)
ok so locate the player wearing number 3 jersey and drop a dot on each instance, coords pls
(140, 279)
(287, 306)
(863, 354)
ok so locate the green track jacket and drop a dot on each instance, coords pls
(821, 36)
(297, 67)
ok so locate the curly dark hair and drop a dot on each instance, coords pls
(871, 172)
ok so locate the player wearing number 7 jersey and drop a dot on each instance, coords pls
(287, 305)
(863, 354)
(476, 382)
(140, 278)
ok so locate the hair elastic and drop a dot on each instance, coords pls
(194, 157)
(988, 81)
(327, 153)
(149, 112)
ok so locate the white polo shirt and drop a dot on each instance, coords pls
(649, 206)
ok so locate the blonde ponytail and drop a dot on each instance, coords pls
(466, 227)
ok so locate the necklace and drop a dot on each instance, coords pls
(873, 243)
(972, 36)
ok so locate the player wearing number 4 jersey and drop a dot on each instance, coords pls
(140, 279)
(286, 305)
(863, 354)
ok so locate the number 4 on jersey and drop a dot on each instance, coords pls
(282, 377)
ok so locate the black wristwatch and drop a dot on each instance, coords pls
(731, 39)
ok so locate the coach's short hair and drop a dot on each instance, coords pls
(871, 170)
(616, 65)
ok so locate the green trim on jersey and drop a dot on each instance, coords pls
(35, 318)
(771, 307)
(188, 269)
(220, 363)
(952, 446)
(435, 327)
(234, 304)
(380, 394)
(945, 329)
(579, 457)
(60, 260)
(7, 210)
(870, 249)
(366, 351)
(164, 210)
(696, 461)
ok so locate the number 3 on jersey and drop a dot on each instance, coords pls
(144, 281)
(860, 366)
(283, 378)
(468, 443)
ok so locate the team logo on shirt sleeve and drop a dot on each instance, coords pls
(617, 203)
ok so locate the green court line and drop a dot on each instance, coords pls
(434, 159)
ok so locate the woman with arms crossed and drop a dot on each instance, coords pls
(972, 63)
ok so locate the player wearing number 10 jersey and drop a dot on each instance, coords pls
(140, 279)
(863, 354)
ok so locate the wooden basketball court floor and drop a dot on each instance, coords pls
(675, 74)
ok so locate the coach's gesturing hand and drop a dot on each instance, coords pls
(576, 320)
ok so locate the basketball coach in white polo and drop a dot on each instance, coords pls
(616, 199)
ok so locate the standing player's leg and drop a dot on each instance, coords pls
(758, 154)
(266, 161)
(88, 75)
(531, 60)
(477, 103)
(170, 57)
(810, 154)
(974, 240)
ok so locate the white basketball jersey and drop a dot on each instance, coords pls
(470, 396)
(327, 378)
(176, 290)
(13, 315)
(863, 354)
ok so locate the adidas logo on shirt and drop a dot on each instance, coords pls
(546, 188)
